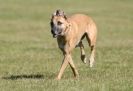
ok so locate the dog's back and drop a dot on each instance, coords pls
(81, 18)
(83, 22)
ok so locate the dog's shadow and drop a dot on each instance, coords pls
(30, 76)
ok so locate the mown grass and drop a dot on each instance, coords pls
(30, 58)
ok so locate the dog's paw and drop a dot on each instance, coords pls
(57, 78)
(84, 61)
(91, 62)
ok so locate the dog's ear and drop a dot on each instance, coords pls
(65, 17)
(54, 14)
(59, 13)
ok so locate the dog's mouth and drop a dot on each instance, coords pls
(55, 36)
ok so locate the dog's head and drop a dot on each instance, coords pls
(59, 23)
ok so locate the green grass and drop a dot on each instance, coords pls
(30, 58)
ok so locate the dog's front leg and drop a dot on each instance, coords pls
(67, 59)
(75, 72)
(63, 66)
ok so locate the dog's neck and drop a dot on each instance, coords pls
(67, 29)
(66, 33)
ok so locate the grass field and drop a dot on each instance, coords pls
(30, 58)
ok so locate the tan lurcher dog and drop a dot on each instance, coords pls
(69, 33)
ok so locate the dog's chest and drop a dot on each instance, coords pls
(61, 42)
(61, 45)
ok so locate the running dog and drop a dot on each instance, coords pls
(69, 33)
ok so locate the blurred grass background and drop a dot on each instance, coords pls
(30, 58)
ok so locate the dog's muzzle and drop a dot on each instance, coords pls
(55, 34)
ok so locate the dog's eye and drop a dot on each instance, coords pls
(59, 23)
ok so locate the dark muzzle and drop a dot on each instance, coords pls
(54, 34)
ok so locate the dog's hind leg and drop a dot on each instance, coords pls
(83, 57)
(92, 56)
(91, 40)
